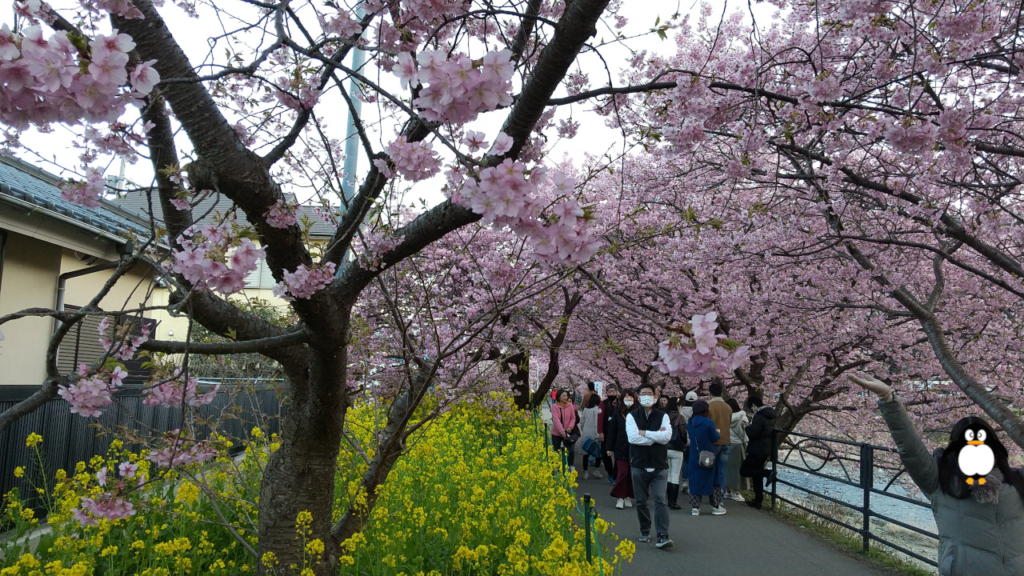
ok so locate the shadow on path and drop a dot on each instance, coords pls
(744, 541)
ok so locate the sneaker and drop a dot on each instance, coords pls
(695, 512)
(586, 474)
(611, 480)
(737, 497)
(644, 538)
(629, 502)
(620, 504)
(664, 542)
(597, 475)
(718, 511)
(684, 487)
(572, 468)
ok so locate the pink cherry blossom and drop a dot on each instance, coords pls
(414, 160)
(304, 281)
(282, 214)
(144, 77)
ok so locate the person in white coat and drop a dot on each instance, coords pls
(738, 437)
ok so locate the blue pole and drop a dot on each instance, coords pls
(351, 135)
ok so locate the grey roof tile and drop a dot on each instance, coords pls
(35, 186)
(136, 202)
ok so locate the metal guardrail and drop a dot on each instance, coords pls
(822, 448)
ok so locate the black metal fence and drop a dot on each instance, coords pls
(855, 465)
(69, 438)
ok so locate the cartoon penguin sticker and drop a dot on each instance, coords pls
(975, 458)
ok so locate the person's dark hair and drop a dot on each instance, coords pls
(591, 386)
(952, 480)
(558, 395)
(645, 386)
(622, 403)
(755, 401)
(734, 405)
(594, 401)
(716, 389)
(672, 405)
(700, 408)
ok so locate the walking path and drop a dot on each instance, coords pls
(743, 541)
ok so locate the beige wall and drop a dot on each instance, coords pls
(30, 273)
(133, 290)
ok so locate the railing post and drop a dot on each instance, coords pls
(867, 482)
(586, 523)
(775, 466)
(547, 440)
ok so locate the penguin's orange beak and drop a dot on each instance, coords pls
(975, 442)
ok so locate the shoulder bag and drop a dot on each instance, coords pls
(706, 458)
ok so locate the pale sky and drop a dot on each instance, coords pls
(593, 137)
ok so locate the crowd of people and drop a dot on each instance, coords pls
(658, 448)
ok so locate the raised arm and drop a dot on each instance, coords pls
(913, 453)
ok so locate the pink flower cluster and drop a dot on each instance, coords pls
(341, 25)
(701, 355)
(47, 80)
(105, 506)
(121, 349)
(86, 193)
(88, 396)
(282, 214)
(458, 89)
(296, 94)
(174, 392)
(304, 282)
(504, 196)
(204, 262)
(178, 455)
(413, 160)
(376, 245)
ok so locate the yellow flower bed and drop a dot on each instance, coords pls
(474, 494)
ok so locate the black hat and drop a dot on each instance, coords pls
(700, 407)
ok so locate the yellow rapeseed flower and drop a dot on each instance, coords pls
(19, 472)
(33, 439)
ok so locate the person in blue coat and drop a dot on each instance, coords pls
(703, 436)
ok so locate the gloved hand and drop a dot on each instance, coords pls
(872, 384)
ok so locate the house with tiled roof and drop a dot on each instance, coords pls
(57, 255)
(210, 208)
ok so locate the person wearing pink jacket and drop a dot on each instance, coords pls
(564, 429)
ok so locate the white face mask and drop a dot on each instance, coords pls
(628, 402)
(647, 401)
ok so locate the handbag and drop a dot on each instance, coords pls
(706, 458)
(592, 447)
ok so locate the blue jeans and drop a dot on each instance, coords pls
(721, 465)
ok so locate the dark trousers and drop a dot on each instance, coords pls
(566, 448)
(609, 464)
(651, 484)
(623, 481)
(753, 468)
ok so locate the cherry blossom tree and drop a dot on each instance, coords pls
(382, 299)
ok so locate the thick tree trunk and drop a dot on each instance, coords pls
(300, 474)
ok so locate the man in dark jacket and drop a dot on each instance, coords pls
(609, 406)
(759, 448)
(649, 430)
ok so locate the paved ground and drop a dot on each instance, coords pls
(744, 541)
